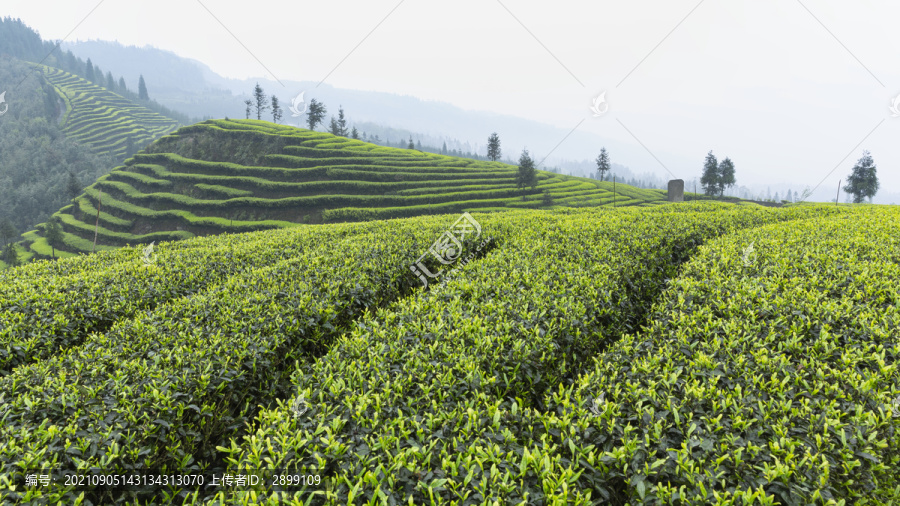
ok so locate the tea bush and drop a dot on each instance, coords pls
(425, 401)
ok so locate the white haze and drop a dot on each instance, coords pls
(762, 82)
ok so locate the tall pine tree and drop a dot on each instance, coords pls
(342, 122)
(527, 174)
(89, 71)
(276, 110)
(260, 101)
(603, 165)
(493, 150)
(142, 89)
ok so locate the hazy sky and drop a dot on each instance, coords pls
(786, 88)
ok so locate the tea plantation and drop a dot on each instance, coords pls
(100, 118)
(695, 353)
(247, 175)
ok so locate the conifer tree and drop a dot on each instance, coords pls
(527, 175)
(710, 178)
(603, 165)
(142, 89)
(276, 110)
(342, 122)
(493, 150)
(89, 71)
(260, 101)
(334, 128)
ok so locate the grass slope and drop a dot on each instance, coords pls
(102, 119)
(243, 175)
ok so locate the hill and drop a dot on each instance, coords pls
(576, 357)
(242, 175)
(58, 131)
(107, 122)
(41, 169)
(20, 41)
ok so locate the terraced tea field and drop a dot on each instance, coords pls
(100, 118)
(236, 176)
(696, 353)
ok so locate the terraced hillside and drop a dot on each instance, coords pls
(102, 119)
(243, 175)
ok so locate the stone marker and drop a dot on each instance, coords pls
(676, 190)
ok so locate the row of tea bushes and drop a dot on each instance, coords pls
(163, 389)
(424, 402)
(258, 184)
(767, 375)
(43, 312)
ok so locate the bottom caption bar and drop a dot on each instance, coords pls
(141, 480)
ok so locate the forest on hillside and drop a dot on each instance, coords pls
(18, 40)
(40, 168)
